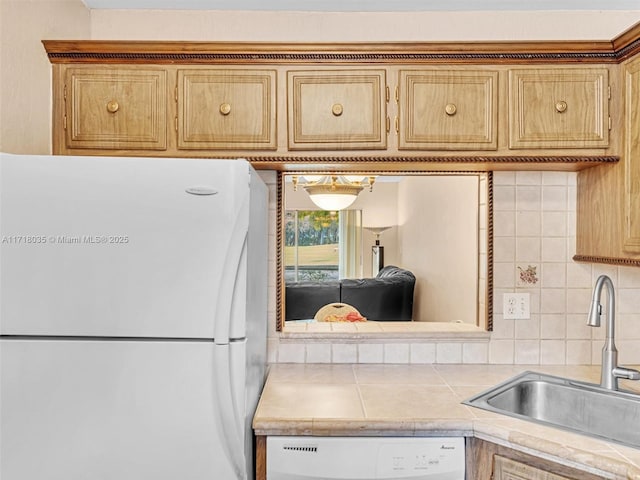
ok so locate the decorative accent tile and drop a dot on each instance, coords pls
(527, 277)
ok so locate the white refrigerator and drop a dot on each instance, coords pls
(133, 317)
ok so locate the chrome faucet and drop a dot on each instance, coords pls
(611, 371)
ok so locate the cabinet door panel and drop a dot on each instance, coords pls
(558, 108)
(337, 110)
(448, 110)
(227, 109)
(507, 469)
(631, 236)
(115, 108)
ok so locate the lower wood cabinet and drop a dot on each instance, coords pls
(489, 461)
(115, 107)
(507, 469)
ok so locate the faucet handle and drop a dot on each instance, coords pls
(628, 373)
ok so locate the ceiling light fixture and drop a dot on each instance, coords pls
(333, 192)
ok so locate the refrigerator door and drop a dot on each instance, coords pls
(123, 247)
(72, 410)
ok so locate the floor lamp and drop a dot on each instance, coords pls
(377, 250)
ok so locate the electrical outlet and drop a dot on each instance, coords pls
(515, 306)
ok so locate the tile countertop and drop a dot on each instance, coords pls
(421, 400)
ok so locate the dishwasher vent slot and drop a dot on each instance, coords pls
(301, 448)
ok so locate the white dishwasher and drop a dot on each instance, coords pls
(365, 458)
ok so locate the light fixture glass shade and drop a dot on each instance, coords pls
(333, 201)
(333, 196)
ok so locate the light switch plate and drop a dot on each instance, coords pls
(515, 306)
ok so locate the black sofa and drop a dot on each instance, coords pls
(387, 297)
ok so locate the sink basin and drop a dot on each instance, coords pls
(571, 405)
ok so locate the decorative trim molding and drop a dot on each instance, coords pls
(472, 159)
(629, 262)
(195, 58)
(279, 252)
(88, 51)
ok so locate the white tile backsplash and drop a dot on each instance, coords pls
(476, 353)
(554, 224)
(553, 326)
(344, 352)
(528, 224)
(554, 249)
(422, 353)
(501, 351)
(527, 352)
(318, 353)
(396, 353)
(448, 352)
(577, 328)
(534, 225)
(372, 353)
(552, 352)
(554, 178)
(528, 198)
(554, 198)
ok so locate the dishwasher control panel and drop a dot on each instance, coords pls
(360, 458)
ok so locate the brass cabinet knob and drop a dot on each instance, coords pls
(225, 109)
(561, 106)
(450, 109)
(112, 106)
(337, 109)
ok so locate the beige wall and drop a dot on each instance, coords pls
(348, 26)
(438, 221)
(25, 71)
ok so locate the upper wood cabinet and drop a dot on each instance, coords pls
(608, 206)
(559, 108)
(328, 106)
(226, 109)
(115, 107)
(448, 110)
(337, 109)
(631, 208)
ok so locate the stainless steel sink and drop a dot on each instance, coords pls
(571, 405)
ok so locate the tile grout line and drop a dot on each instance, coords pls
(357, 382)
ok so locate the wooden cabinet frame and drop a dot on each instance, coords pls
(388, 57)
